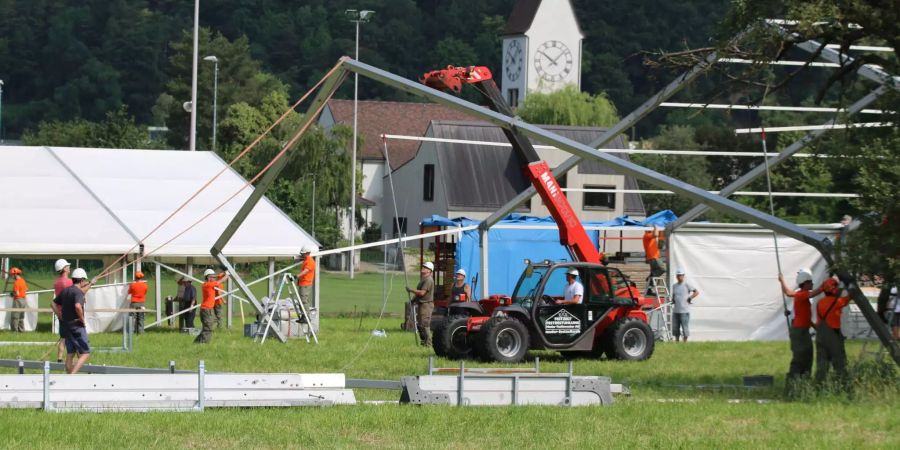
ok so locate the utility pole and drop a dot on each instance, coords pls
(214, 60)
(192, 140)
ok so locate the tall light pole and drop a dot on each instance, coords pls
(192, 140)
(358, 17)
(1, 111)
(214, 60)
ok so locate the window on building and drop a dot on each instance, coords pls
(428, 188)
(599, 200)
(513, 99)
(402, 222)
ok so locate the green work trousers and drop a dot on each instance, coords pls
(208, 319)
(17, 319)
(830, 352)
(218, 312)
(423, 317)
(802, 352)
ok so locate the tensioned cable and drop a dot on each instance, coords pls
(247, 149)
(606, 150)
(249, 182)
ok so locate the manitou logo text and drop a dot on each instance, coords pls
(551, 186)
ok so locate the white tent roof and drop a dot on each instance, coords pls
(70, 201)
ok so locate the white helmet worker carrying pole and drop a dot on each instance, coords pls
(208, 272)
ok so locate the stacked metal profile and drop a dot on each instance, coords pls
(501, 387)
(146, 392)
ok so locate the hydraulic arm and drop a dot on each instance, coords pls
(571, 233)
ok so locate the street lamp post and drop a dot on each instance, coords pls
(358, 17)
(214, 60)
(1, 111)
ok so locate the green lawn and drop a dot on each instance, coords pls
(664, 410)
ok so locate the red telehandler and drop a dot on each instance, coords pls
(610, 318)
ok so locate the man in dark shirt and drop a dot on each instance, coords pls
(69, 307)
(188, 300)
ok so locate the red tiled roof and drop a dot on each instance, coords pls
(379, 117)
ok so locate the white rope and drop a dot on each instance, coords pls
(836, 126)
(766, 108)
(607, 150)
(741, 193)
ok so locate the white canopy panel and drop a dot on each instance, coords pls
(45, 210)
(138, 189)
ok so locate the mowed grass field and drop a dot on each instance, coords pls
(678, 399)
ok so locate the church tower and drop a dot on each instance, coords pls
(541, 49)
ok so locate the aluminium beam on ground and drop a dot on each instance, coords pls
(329, 86)
(619, 165)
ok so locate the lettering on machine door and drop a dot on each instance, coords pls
(562, 323)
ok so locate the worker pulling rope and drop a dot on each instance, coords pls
(110, 268)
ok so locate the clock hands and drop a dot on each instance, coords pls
(552, 61)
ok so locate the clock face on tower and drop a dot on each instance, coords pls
(553, 61)
(513, 60)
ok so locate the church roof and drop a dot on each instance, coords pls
(523, 14)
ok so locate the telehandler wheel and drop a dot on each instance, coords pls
(453, 338)
(436, 342)
(503, 339)
(630, 339)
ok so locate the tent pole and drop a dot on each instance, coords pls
(157, 282)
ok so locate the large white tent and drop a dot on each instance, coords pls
(88, 201)
(101, 203)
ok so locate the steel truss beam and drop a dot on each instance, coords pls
(327, 89)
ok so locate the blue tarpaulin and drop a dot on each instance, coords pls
(508, 248)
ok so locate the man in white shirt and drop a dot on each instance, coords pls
(682, 295)
(574, 291)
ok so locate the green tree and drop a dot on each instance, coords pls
(117, 131)
(568, 106)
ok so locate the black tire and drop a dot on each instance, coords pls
(630, 339)
(503, 339)
(436, 342)
(453, 338)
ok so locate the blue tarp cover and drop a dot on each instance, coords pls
(508, 248)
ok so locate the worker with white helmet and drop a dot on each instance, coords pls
(61, 267)
(306, 278)
(801, 340)
(574, 291)
(460, 291)
(69, 308)
(683, 295)
(210, 290)
(424, 299)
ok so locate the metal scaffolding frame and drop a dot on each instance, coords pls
(718, 202)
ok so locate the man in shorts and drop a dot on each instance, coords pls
(69, 306)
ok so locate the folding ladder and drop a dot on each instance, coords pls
(301, 316)
(663, 308)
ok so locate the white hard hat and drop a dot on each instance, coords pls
(572, 271)
(208, 272)
(60, 265)
(429, 265)
(461, 272)
(79, 273)
(306, 249)
(894, 290)
(804, 275)
(679, 272)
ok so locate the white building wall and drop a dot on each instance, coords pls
(408, 185)
(373, 186)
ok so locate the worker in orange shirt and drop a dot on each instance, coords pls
(829, 340)
(798, 332)
(306, 277)
(651, 252)
(210, 290)
(138, 293)
(20, 288)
